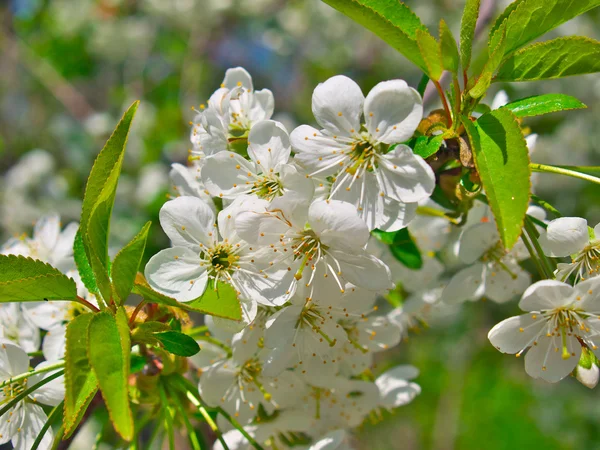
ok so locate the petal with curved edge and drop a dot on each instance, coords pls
(360, 269)
(54, 345)
(337, 105)
(189, 222)
(216, 381)
(53, 392)
(588, 295)
(317, 152)
(474, 241)
(337, 224)
(564, 236)
(47, 230)
(502, 286)
(177, 272)
(237, 77)
(269, 145)
(545, 360)
(467, 284)
(228, 175)
(33, 419)
(13, 359)
(393, 111)
(546, 294)
(208, 355)
(261, 227)
(263, 104)
(404, 176)
(188, 182)
(295, 183)
(334, 440)
(517, 333)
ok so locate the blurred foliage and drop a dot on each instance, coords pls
(70, 67)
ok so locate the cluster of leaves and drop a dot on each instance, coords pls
(488, 152)
(99, 342)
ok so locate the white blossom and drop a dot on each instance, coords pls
(372, 169)
(559, 320)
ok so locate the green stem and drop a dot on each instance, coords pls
(444, 102)
(167, 416)
(56, 412)
(429, 211)
(565, 170)
(214, 341)
(209, 420)
(50, 368)
(533, 235)
(28, 391)
(547, 206)
(534, 257)
(87, 304)
(193, 437)
(58, 437)
(197, 331)
(240, 428)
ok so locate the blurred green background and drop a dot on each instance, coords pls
(69, 68)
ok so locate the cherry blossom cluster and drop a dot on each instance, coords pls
(296, 224)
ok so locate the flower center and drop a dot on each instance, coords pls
(268, 187)
(11, 390)
(222, 260)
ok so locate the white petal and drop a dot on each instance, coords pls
(338, 225)
(177, 272)
(237, 77)
(47, 230)
(34, 419)
(188, 222)
(46, 315)
(546, 294)
(269, 144)
(8, 428)
(334, 440)
(545, 359)
(404, 176)
(13, 360)
(394, 389)
(260, 227)
(474, 241)
(263, 104)
(53, 392)
(500, 286)
(337, 105)
(467, 284)
(228, 175)
(500, 99)
(208, 355)
(54, 345)
(588, 295)
(362, 269)
(187, 181)
(296, 183)
(317, 151)
(565, 236)
(393, 111)
(215, 382)
(516, 333)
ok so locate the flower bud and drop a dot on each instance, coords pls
(587, 372)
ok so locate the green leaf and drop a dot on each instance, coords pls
(502, 160)
(144, 332)
(127, 263)
(391, 20)
(448, 49)
(425, 146)
(430, 51)
(467, 31)
(83, 264)
(99, 198)
(543, 104)
(496, 51)
(222, 302)
(29, 280)
(527, 20)
(402, 247)
(80, 381)
(106, 352)
(178, 343)
(558, 58)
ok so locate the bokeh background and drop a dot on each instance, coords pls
(69, 68)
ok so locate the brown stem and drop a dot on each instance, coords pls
(84, 302)
(135, 312)
(444, 102)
